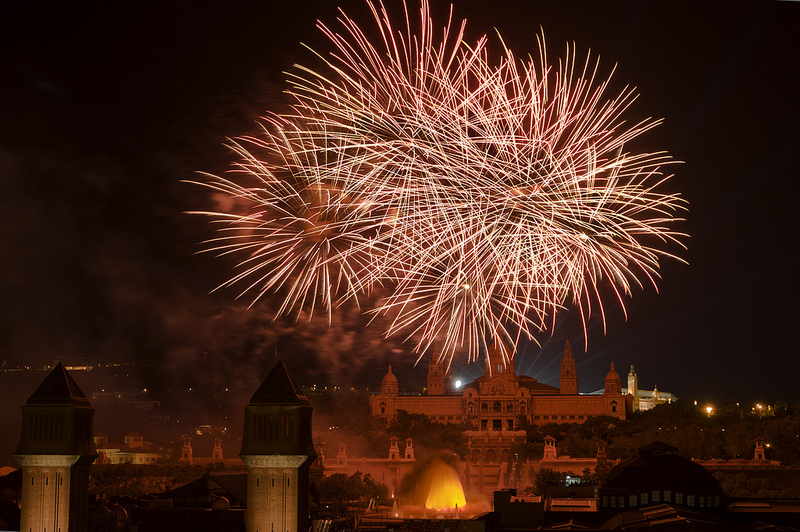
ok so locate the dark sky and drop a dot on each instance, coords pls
(104, 112)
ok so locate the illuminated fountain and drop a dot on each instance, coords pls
(441, 495)
(445, 491)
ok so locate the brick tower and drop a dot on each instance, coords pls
(55, 450)
(568, 378)
(440, 374)
(278, 450)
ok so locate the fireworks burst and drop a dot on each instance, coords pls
(485, 197)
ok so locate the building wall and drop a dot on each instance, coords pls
(501, 400)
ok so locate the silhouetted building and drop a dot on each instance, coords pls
(659, 475)
(55, 450)
(278, 450)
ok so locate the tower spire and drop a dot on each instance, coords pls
(440, 374)
(633, 387)
(499, 358)
(55, 450)
(568, 377)
(277, 449)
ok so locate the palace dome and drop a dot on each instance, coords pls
(659, 467)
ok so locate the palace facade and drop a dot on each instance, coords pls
(502, 400)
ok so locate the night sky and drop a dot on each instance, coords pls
(104, 113)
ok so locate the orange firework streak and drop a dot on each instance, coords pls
(486, 197)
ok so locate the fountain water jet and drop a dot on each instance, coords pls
(445, 488)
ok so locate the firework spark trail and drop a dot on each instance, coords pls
(487, 197)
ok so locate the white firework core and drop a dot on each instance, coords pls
(485, 197)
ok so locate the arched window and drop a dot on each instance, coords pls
(497, 407)
(484, 407)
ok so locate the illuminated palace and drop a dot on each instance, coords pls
(501, 400)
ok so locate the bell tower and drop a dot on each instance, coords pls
(55, 450)
(277, 449)
(440, 375)
(633, 387)
(499, 359)
(568, 378)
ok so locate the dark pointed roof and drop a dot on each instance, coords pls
(567, 352)
(58, 388)
(279, 388)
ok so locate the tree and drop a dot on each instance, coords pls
(545, 477)
(340, 488)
